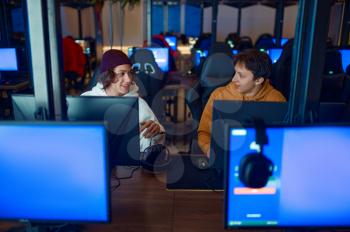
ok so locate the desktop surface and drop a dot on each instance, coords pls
(310, 183)
(184, 173)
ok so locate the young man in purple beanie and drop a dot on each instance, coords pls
(117, 79)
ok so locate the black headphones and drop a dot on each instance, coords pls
(255, 168)
(155, 158)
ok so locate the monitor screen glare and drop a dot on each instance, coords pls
(310, 184)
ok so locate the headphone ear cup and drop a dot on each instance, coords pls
(255, 170)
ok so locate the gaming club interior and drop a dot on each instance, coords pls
(174, 115)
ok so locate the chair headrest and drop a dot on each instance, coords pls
(216, 66)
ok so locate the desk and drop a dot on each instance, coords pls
(143, 204)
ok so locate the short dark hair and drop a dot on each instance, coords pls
(259, 63)
(106, 78)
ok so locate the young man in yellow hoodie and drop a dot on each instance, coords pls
(249, 83)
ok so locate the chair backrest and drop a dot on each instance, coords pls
(332, 87)
(333, 77)
(245, 43)
(220, 47)
(265, 41)
(149, 77)
(217, 71)
(333, 62)
(281, 70)
(233, 40)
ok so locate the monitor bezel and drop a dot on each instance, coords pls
(228, 128)
(106, 164)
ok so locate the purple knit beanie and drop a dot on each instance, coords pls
(113, 58)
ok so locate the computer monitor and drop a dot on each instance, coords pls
(239, 113)
(8, 59)
(309, 186)
(172, 41)
(199, 55)
(161, 56)
(54, 172)
(345, 56)
(274, 54)
(119, 113)
(85, 45)
(283, 41)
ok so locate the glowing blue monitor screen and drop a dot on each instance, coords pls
(161, 56)
(8, 59)
(345, 54)
(310, 184)
(235, 51)
(274, 54)
(283, 41)
(53, 172)
(199, 55)
(172, 41)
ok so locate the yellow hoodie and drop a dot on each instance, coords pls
(267, 94)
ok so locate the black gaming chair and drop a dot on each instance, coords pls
(220, 47)
(245, 43)
(281, 70)
(217, 71)
(333, 77)
(232, 40)
(149, 77)
(265, 41)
